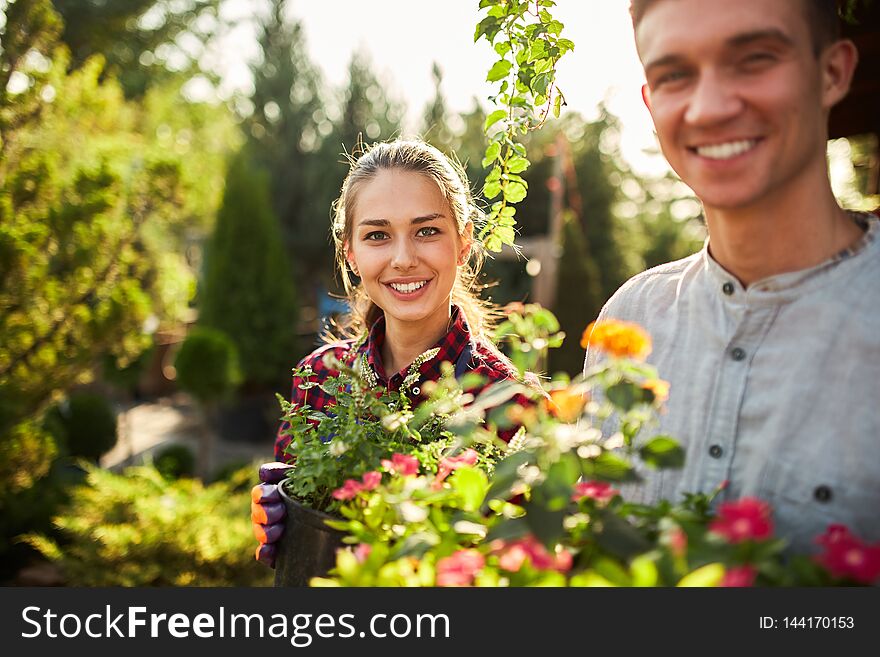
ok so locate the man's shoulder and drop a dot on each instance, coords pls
(656, 284)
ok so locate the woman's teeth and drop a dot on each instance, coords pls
(407, 288)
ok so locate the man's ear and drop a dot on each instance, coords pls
(646, 96)
(467, 241)
(838, 62)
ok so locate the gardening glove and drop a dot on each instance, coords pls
(267, 511)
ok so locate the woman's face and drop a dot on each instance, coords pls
(405, 246)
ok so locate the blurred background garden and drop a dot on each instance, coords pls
(167, 169)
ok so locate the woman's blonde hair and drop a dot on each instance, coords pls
(418, 157)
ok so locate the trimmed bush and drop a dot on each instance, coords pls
(207, 364)
(87, 424)
(175, 462)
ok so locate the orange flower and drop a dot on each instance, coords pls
(565, 404)
(659, 387)
(617, 338)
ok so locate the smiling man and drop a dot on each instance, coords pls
(770, 335)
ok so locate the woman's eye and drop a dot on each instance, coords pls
(428, 231)
(375, 236)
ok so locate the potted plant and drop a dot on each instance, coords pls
(335, 455)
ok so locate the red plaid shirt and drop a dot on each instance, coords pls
(484, 360)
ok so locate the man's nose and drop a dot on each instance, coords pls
(713, 101)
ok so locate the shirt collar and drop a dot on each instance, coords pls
(782, 286)
(427, 365)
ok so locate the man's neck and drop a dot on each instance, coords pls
(780, 234)
(406, 341)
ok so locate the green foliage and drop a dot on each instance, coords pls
(139, 38)
(527, 40)
(139, 529)
(207, 364)
(88, 425)
(175, 462)
(366, 425)
(249, 292)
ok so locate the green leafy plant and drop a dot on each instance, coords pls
(549, 511)
(365, 426)
(140, 529)
(528, 42)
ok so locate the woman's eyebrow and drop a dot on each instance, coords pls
(416, 220)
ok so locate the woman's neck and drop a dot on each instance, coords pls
(406, 341)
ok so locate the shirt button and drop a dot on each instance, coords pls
(727, 288)
(416, 390)
(822, 493)
(737, 354)
(715, 451)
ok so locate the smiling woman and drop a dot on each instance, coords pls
(403, 226)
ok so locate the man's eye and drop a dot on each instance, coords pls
(670, 77)
(427, 231)
(757, 59)
(375, 236)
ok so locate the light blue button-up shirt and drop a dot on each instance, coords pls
(775, 388)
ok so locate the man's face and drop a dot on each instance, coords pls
(736, 93)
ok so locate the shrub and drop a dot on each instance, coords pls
(139, 529)
(207, 364)
(87, 425)
(175, 462)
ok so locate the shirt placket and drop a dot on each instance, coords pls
(719, 449)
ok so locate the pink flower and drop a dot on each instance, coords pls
(743, 520)
(362, 551)
(349, 490)
(848, 556)
(739, 576)
(459, 569)
(450, 463)
(401, 464)
(371, 480)
(677, 541)
(513, 555)
(598, 490)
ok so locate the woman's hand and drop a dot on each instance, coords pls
(267, 511)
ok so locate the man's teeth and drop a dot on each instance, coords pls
(726, 151)
(407, 287)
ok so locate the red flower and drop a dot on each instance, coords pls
(371, 480)
(597, 490)
(514, 554)
(743, 520)
(460, 568)
(739, 576)
(401, 464)
(349, 490)
(450, 463)
(848, 556)
(677, 541)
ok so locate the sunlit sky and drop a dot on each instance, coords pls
(404, 37)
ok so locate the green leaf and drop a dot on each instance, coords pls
(514, 192)
(619, 537)
(644, 571)
(612, 571)
(626, 395)
(502, 48)
(499, 70)
(589, 578)
(565, 45)
(471, 484)
(506, 234)
(540, 83)
(662, 452)
(490, 26)
(709, 575)
(506, 476)
(492, 189)
(491, 120)
(517, 164)
(545, 524)
(608, 467)
(492, 153)
(557, 105)
(493, 244)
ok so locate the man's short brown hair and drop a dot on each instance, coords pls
(821, 14)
